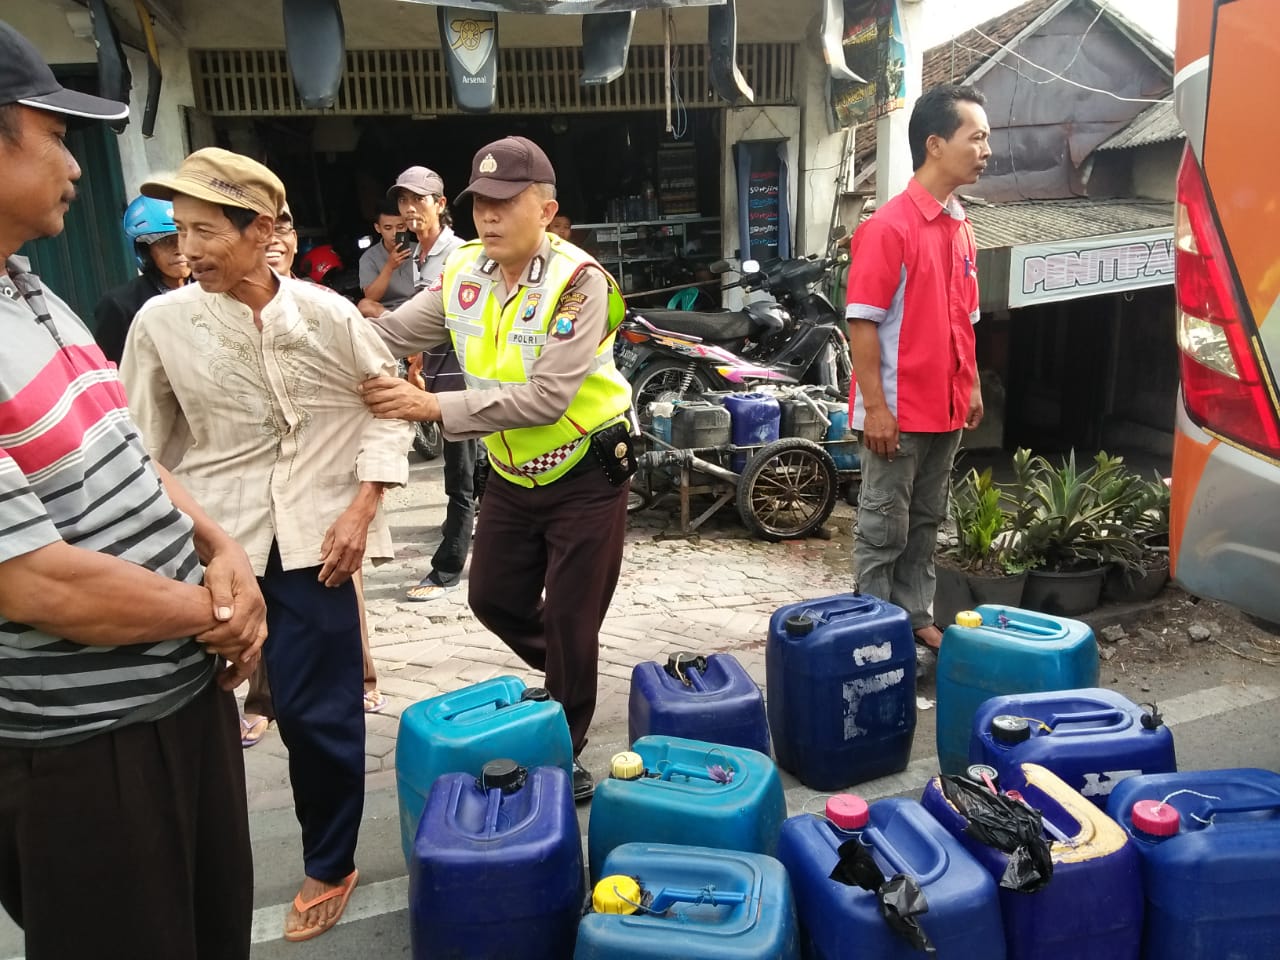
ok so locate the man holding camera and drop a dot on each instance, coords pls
(386, 275)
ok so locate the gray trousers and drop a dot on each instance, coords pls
(899, 509)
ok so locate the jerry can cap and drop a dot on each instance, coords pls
(626, 766)
(616, 894)
(1155, 818)
(536, 694)
(848, 811)
(502, 774)
(798, 625)
(968, 618)
(1009, 729)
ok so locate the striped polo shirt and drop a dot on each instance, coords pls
(73, 468)
(913, 272)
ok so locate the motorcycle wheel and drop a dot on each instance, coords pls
(787, 490)
(428, 441)
(663, 380)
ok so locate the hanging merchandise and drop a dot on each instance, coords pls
(764, 226)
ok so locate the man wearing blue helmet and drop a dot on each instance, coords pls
(149, 224)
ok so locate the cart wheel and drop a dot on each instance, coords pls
(787, 490)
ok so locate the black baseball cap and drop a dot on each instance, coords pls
(25, 78)
(505, 167)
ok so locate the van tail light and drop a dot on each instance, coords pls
(1222, 382)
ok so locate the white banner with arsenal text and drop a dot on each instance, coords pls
(1088, 266)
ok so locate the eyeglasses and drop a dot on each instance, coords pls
(282, 229)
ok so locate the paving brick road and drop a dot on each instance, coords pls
(709, 593)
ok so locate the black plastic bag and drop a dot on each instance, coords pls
(1010, 826)
(901, 899)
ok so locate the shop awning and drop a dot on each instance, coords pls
(1042, 251)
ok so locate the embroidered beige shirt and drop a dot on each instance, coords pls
(266, 428)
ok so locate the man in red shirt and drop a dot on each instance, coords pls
(912, 303)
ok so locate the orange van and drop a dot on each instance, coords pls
(1225, 511)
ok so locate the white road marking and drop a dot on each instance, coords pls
(391, 896)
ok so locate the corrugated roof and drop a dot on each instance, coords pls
(1043, 221)
(952, 61)
(1156, 124)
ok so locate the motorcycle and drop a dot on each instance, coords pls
(798, 337)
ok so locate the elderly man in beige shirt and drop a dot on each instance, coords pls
(245, 385)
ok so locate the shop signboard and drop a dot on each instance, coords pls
(1089, 266)
(875, 48)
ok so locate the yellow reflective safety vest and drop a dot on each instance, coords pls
(498, 346)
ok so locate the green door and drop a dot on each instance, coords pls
(91, 255)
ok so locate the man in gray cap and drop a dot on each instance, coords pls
(533, 319)
(420, 194)
(123, 823)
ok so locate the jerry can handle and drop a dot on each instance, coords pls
(1113, 717)
(873, 839)
(853, 606)
(668, 897)
(669, 770)
(489, 706)
(1213, 808)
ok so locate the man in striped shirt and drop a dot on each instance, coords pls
(123, 822)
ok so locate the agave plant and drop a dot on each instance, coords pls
(1070, 519)
(984, 541)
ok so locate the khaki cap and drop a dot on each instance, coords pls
(222, 177)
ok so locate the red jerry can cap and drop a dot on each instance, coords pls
(1155, 818)
(848, 811)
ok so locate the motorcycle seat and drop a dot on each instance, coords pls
(714, 327)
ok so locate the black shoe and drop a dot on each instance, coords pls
(583, 784)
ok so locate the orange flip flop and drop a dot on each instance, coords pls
(343, 890)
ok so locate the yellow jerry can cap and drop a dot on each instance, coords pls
(968, 618)
(616, 894)
(626, 766)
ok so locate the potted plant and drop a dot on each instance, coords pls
(1069, 522)
(1147, 516)
(986, 547)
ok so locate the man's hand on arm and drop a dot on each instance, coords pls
(238, 607)
(390, 398)
(343, 549)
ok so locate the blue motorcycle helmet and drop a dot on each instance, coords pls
(147, 220)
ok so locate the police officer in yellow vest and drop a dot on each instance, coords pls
(532, 319)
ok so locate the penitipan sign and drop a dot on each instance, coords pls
(1089, 266)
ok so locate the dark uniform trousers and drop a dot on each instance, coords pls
(566, 539)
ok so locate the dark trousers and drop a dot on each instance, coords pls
(565, 538)
(460, 512)
(313, 658)
(133, 844)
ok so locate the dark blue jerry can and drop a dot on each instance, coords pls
(670, 790)
(659, 901)
(698, 698)
(841, 681)
(1091, 739)
(754, 420)
(1092, 907)
(997, 650)
(459, 732)
(839, 921)
(496, 871)
(1210, 847)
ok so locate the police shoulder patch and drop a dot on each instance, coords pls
(562, 328)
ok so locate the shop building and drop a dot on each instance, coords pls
(656, 205)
